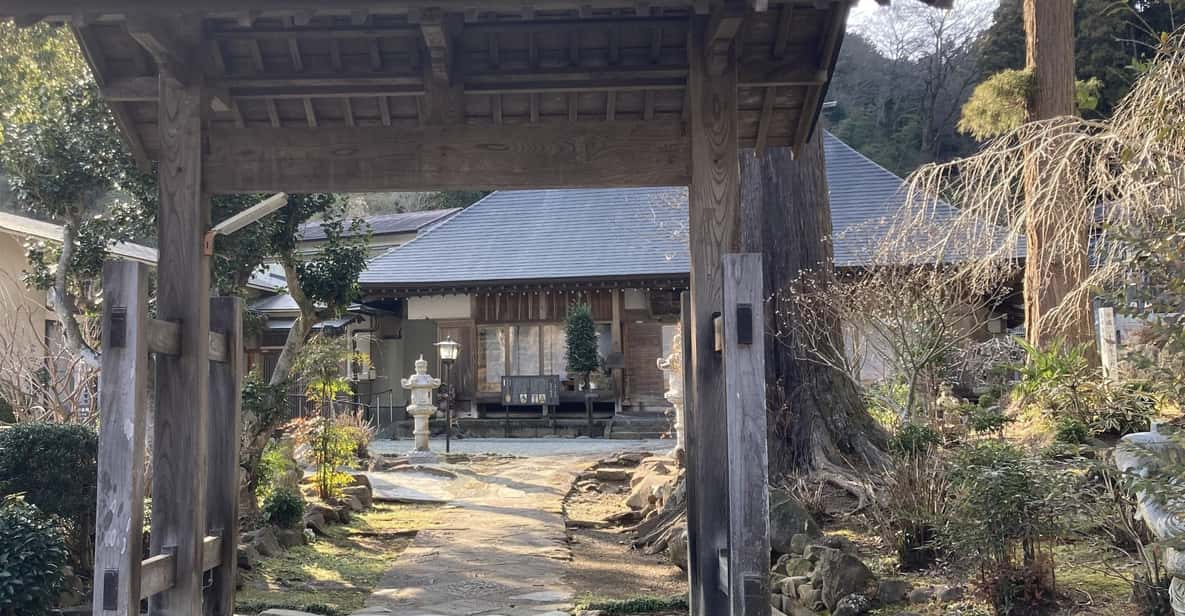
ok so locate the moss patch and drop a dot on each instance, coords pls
(335, 574)
(635, 605)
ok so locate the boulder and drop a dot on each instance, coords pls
(852, 605)
(279, 612)
(788, 518)
(247, 555)
(343, 513)
(796, 582)
(290, 537)
(353, 503)
(265, 542)
(362, 493)
(647, 489)
(798, 543)
(808, 595)
(613, 474)
(328, 514)
(893, 591)
(360, 479)
(951, 593)
(677, 550)
(842, 575)
(315, 521)
(921, 595)
(798, 566)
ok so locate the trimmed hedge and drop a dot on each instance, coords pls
(33, 557)
(55, 467)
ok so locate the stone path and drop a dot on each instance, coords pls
(502, 549)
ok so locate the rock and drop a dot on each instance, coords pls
(290, 537)
(613, 474)
(677, 550)
(635, 457)
(353, 503)
(798, 543)
(921, 595)
(951, 593)
(788, 518)
(362, 493)
(842, 575)
(812, 552)
(797, 582)
(360, 479)
(852, 605)
(247, 555)
(343, 513)
(646, 489)
(798, 566)
(893, 591)
(279, 612)
(265, 542)
(807, 594)
(316, 522)
(836, 542)
(328, 514)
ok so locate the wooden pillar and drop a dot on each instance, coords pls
(714, 197)
(618, 347)
(123, 392)
(748, 480)
(222, 442)
(182, 381)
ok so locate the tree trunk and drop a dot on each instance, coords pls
(256, 431)
(65, 308)
(818, 420)
(1053, 270)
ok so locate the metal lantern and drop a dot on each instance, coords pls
(448, 349)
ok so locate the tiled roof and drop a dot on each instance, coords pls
(383, 224)
(599, 233)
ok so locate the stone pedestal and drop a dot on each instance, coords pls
(420, 407)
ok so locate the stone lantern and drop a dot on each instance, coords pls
(421, 408)
(672, 365)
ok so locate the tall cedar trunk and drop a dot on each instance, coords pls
(818, 421)
(1052, 272)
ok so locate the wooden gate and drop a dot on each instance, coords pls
(122, 579)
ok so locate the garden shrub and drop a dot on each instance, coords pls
(55, 467)
(33, 557)
(911, 505)
(1004, 517)
(914, 439)
(284, 507)
(1070, 430)
(276, 463)
(330, 448)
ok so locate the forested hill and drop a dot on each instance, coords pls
(905, 71)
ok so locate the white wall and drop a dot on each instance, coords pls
(439, 307)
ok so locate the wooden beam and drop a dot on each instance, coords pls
(164, 337)
(446, 158)
(92, 51)
(714, 201)
(826, 63)
(763, 121)
(58, 8)
(158, 573)
(439, 32)
(182, 381)
(168, 42)
(748, 480)
(123, 404)
(722, 29)
(310, 114)
(222, 479)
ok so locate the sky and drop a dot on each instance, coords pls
(865, 8)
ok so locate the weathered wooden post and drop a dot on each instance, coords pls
(123, 405)
(222, 480)
(183, 297)
(748, 466)
(714, 201)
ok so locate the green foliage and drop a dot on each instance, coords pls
(284, 507)
(267, 402)
(451, 199)
(1070, 431)
(986, 420)
(33, 557)
(55, 466)
(1006, 513)
(581, 336)
(275, 463)
(634, 605)
(331, 445)
(35, 62)
(998, 105)
(913, 439)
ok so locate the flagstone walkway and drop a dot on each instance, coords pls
(502, 549)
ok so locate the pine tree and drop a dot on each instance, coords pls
(582, 342)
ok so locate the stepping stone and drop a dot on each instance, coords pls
(545, 596)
